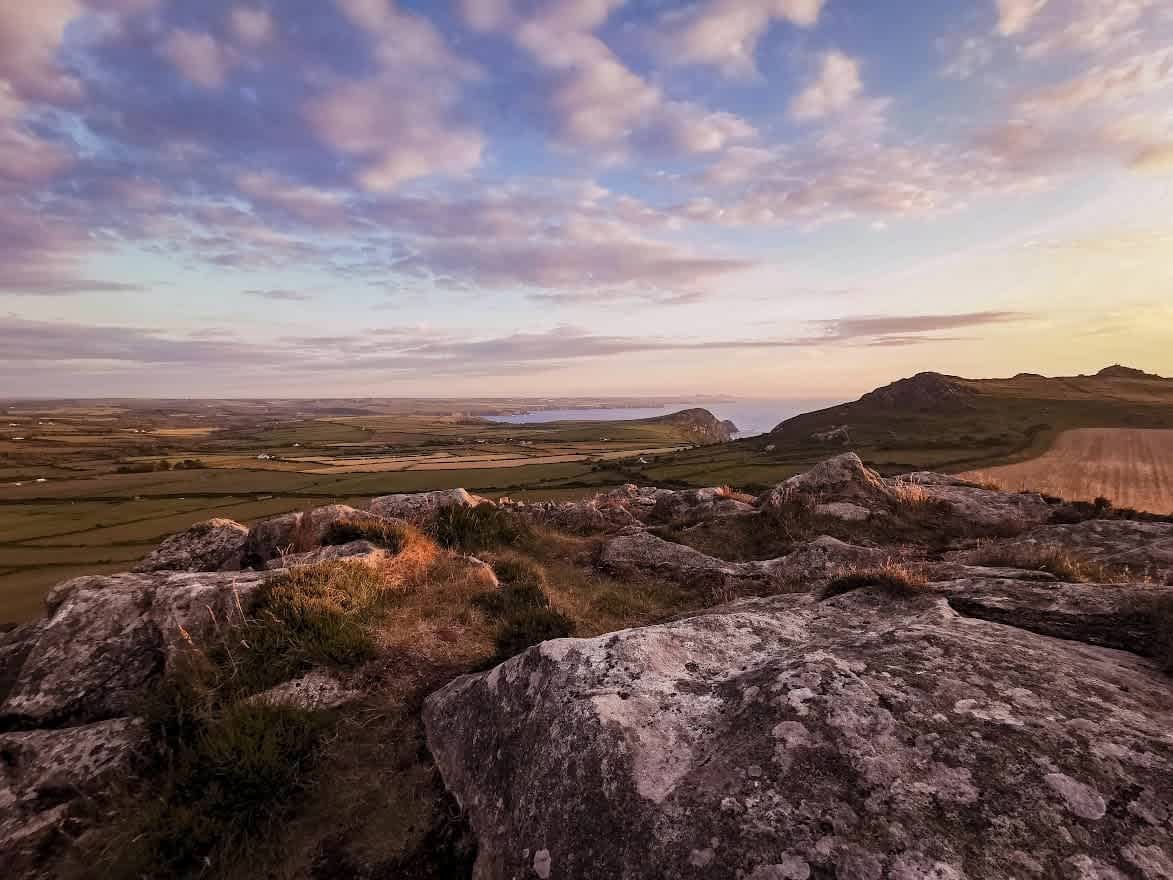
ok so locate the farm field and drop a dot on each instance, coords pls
(90, 488)
(1130, 467)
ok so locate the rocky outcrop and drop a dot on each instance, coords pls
(1143, 549)
(989, 508)
(636, 551)
(45, 775)
(315, 690)
(837, 436)
(639, 552)
(419, 507)
(355, 551)
(924, 392)
(693, 505)
(107, 638)
(860, 737)
(212, 545)
(1113, 615)
(842, 478)
(293, 533)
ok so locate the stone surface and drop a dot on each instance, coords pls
(106, 638)
(355, 551)
(843, 510)
(859, 737)
(15, 645)
(988, 508)
(818, 561)
(636, 551)
(46, 774)
(313, 691)
(1145, 549)
(419, 507)
(693, 505)
(1112, 615)
(842, 478)
(293, 533)
(212, 545)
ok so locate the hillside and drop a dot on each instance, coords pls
(440, 686)
(700, 424)
(938, 422)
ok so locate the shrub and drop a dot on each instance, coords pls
(523, 584)
(892, 579)
(389, 534)
(472, 529)
(530, 626)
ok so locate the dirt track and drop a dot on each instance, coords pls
(1131, 467)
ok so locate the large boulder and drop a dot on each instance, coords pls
(212, 545)
(45, 775)
(842, 478)
(692, 505)
(354, 551)
(108, 638)
(859, 738)
(419, 507)
(818, 561)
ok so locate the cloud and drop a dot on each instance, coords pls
(1133, 77)
(594, 99)
(281, 295)
(30, 37)
(198, 57)
(725, 33)
(1157, 158)
(251, 26)
(835, 89)
(397, 137)
(905, 327)
(1014, 16)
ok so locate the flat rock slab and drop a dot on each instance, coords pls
(1111, 615)
(859, 738)
(1145, 549)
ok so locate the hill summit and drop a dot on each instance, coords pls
(1117, 371)
(924, 391)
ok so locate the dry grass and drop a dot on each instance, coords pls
(1130, 467)
(1059, 561)
(731, 494)
(891, 578)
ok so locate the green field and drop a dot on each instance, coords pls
(91, 488)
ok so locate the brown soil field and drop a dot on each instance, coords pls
(1130, 467)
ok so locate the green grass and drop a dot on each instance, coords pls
(473, 529)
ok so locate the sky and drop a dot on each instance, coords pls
(768, 198)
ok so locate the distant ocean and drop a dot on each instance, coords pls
(752, 417)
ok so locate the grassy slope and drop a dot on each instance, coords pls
(999, 421)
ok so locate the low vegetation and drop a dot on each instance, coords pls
(1061, 562)
(890, 578)
(389, 534)
(472, 529)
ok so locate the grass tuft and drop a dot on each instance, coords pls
(890, 578)
(1060, 562)
(391, 535)
(473, 529)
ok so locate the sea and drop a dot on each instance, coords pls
(751, 416)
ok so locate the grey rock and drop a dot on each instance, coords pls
(212, 545)
(1145, 549)
(860, 737)
(419, 507)
(15, 646)
(843, 510)
(1112, 615)
(45, 775)
(636, 551)
(842, 478)
(316, 690)
(293, 533)
(818, 561)
(989, 508)
(693, 505)
(107, 638)
(355, 551)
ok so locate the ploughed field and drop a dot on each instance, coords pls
(1130, 467)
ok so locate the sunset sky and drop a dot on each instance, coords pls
(781, 198)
